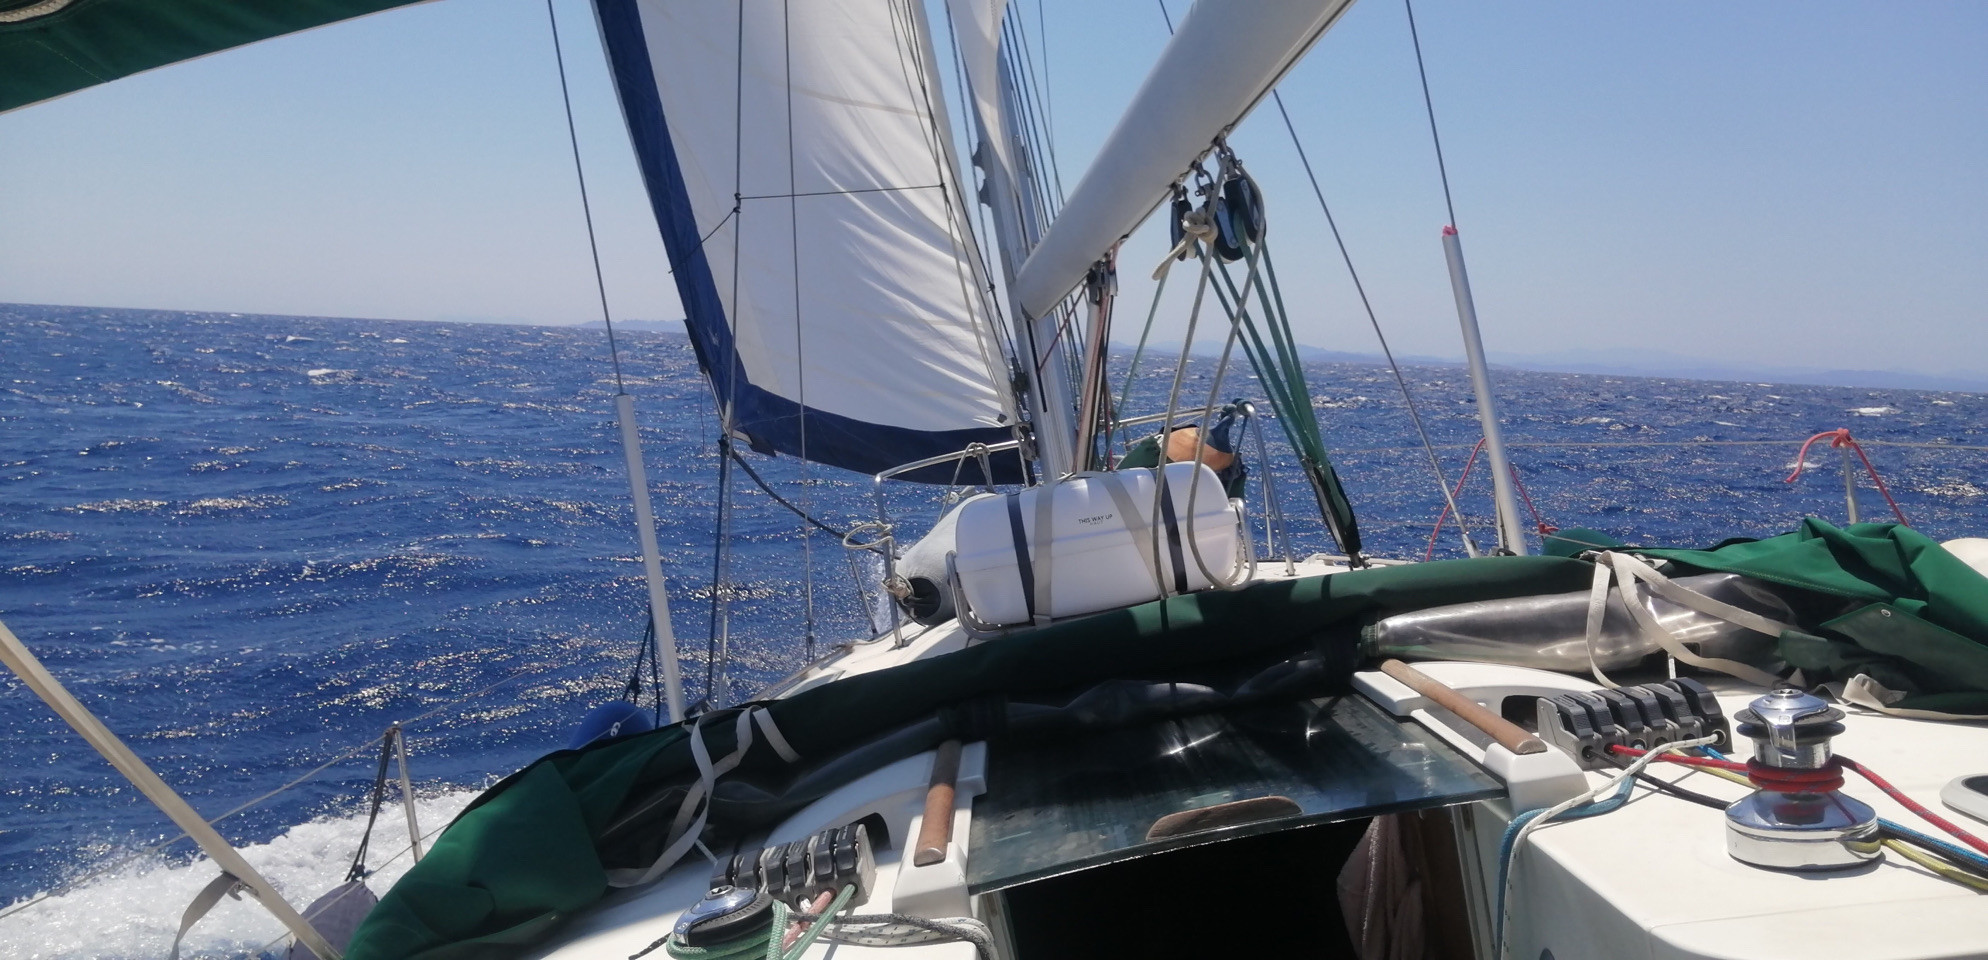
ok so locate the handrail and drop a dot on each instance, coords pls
(973, 451)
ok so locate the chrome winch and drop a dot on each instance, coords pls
(1798, 818)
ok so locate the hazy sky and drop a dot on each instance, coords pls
(1772, 183)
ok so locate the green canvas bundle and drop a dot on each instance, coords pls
(1921, 631)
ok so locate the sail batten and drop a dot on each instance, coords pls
(795, 159)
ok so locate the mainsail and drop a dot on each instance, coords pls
(798, 161)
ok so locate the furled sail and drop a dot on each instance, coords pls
(798, 161)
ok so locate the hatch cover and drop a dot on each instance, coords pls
(1053, 808)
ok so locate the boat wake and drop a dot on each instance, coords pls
(132, 909)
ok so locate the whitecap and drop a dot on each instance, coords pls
(134, 907)
(1872, 411)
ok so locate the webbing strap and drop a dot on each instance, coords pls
(1044, 550)
(1135, 524)
(696, 808)
(1024, 566)
(1172, 523)
(224, 885)
(1628, 571)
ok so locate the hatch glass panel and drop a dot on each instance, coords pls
(1052, 808)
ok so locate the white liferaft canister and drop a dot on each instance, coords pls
(1096, 557)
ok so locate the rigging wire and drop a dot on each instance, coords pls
(1407, 396)
(1414, 415)
(718, 642)
(767, 489)
(969, 116)
(586, 208)
(1430, 105)
(1038, 102)
(910, 33)
(114, 866)
(800, 368)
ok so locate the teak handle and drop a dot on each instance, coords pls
(1509, 735)
(936, 832)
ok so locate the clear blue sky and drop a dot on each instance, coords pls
(1772, 183)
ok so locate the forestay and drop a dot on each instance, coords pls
(798, 162)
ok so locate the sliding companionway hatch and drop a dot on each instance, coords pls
(1072, 805)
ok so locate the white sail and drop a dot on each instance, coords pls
(1226, 55)
(798, 161)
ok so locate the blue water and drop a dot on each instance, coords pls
(250, 543)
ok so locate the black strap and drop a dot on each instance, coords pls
(1168, 517)
(359, 870)
(1023, 563)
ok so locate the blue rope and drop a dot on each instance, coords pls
(1974, 861)
(1594, 808)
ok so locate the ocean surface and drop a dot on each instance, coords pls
(252, 543)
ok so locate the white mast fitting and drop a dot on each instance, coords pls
(1511, 533)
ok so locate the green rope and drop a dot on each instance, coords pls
(1281, 372)
(764, 942)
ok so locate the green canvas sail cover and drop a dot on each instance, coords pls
(1922, 628)
(52, 47)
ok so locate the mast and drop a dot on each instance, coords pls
(1004, 160)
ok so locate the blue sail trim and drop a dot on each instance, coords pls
(770, 422)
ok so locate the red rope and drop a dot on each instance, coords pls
(1539, 523)
(1792, 781)
(1680, 758)
(1445, 515)
(1838, 439)
(1914, 805)
(1829, 779)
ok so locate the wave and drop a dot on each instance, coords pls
(130, 905)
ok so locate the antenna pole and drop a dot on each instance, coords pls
(652, 561)
(1511, 533)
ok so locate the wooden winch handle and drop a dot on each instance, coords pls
(1509, 735)
(936, 832)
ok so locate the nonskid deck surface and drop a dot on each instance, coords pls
(1659, 864)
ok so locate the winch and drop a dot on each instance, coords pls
(1798, 818)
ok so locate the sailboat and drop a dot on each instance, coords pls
(1096, 702)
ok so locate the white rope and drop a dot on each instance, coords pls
(1518, 842)
(902, 930)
